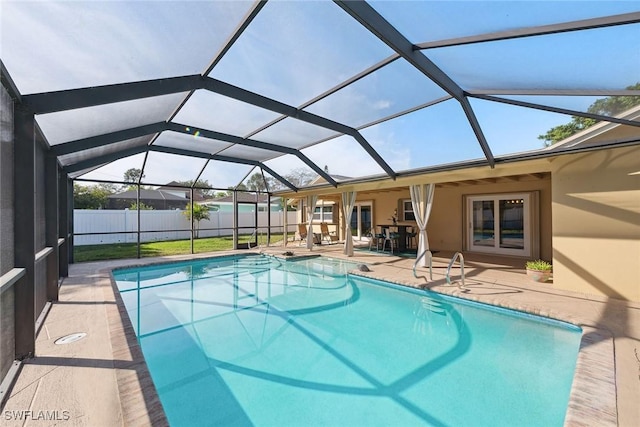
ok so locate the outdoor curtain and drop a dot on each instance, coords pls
(348, 201)
(311, 207)
(422, 201)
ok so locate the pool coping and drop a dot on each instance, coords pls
(592, 401)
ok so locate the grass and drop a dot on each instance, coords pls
(170, 247)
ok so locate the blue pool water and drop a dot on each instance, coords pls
(253, 340)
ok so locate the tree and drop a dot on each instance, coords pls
(91, 196)
(204, 187)
(239, 187)
(200, 212)
(609, 106)
(133, 176)
(256, 182)
(300, 177)
(143, 207)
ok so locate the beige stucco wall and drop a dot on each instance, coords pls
(445, 227)
(596, 222)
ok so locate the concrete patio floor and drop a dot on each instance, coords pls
(102, 379)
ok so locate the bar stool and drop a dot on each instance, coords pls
(391, 237)
(378, 237)
(411, 237)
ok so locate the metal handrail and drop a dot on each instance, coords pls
(415, 264)
(448, 274)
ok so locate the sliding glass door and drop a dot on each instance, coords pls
(499, 224)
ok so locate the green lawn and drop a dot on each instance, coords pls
(171, 247)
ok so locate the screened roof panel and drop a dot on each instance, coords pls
(79, 156)
(547, 62)
(435, 135)
(69, 125)
(606, 106)
(293, 133)
(513, 129)
(251, 153)
(211, 111)
(343, 156)
(224, 175)
(97, 43)
(422, 21)
(115, 170)
(190, 142)
(162, 168)
(295, 50)
(291, 168)
(394, 88)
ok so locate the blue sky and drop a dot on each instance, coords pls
(294, 51)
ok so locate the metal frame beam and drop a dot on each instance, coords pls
(63, 223)
(369, 18)
(51, 102)
(252, 98)
(598, 117)
(177, 127)
(563, 27)
(229, 159)
(331, 91)
(24, 183)
(555, 92)
(107, 138)
(113, 137)
(52, 209)
(85, 164)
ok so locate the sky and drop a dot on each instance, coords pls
(294, 51)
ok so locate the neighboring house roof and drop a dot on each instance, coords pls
(603, 132)
(175, 186)
(242, 198)
(147, 195)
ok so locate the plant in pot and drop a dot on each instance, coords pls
(539, 270)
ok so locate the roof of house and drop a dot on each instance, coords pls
(147, 195)
(243, 198)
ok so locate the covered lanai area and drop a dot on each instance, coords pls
(502, 131)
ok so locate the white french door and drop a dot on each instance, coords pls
(361, 220)
(500, 224)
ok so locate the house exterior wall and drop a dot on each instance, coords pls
(596, 222)
(446, 223)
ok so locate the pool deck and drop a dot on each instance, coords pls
(102, 379)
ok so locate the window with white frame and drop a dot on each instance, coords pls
(323, 214)
(407, 211)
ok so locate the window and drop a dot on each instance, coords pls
(407, 211)
(323, 214)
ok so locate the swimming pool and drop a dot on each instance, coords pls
(254, 340)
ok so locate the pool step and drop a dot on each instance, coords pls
(432, 305)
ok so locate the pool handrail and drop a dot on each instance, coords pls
(415, 264)
(448, 274)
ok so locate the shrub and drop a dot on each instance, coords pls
(538, 265)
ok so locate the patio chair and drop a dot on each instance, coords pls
(302, 233)
(329, 236)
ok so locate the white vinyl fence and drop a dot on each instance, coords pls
(110, 221)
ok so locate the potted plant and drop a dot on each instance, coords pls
(539, 270)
